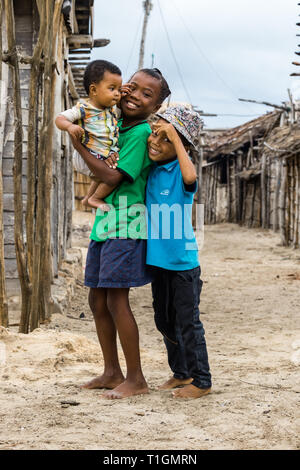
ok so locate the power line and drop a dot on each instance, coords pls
(203, 54)
(173, 53)
(239, 115)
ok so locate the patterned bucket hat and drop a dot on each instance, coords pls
(186, 121)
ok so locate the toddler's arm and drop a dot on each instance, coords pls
(65, 122)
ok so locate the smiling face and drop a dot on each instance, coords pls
(160, 148)
(144, 98)
(106, 93)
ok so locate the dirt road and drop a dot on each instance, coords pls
(250, 309)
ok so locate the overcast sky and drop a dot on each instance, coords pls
(225, 50)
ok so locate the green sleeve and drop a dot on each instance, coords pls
(132, 153)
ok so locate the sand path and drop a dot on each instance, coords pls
(250, 309)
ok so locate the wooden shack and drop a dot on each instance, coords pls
(282, 151)
(44, 46)
(231, 185)
(251, 175)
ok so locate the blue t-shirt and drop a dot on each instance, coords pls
(171, 239)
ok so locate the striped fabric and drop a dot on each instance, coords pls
(100, 127)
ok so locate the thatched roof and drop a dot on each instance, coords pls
(283, 141)
(229, 141)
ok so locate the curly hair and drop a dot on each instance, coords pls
(94, 72)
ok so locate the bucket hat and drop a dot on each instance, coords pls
(186, 121)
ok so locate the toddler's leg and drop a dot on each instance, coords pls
(92, 188)
(97, 199)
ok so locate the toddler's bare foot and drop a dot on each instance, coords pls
(104, 381)
(173, 383)
(127, 389)
(190, 391)
(85, 201)
(98, 204)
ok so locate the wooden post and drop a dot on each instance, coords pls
(296, 206)
(32, 131)
(17, 168)
(3, 296)
(228, 190)
(276, 196)
(263, 191)
(282, 204)
(42, 272)
(147, 7)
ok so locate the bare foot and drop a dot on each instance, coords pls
(98, 204)
(190, 391)
(85, 201)
(126, 389)
(173, 383)
(104, 381)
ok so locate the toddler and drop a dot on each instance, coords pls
(94, 122)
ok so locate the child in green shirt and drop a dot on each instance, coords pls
(116, 257)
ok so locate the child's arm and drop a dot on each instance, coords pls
(187, 167)
(98, 167)
(65, 124)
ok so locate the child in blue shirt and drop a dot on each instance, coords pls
(173, 253)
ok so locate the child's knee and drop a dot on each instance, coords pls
(117, 302)
(96, 299)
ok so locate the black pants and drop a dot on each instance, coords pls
(176, 297)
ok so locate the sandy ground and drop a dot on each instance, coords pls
(250, 309)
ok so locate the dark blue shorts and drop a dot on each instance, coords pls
(117, 263)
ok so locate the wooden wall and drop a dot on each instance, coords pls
(26, 19)
(261, 192)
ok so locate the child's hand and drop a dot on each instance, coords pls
(112, 160)
(165, 130)
(75, 132)
(126, 89)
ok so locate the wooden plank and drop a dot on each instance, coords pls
(11, 269)
(8, 184)
(9, 237)
(23, 24)
(8, 218)
(9, 251)
(8, 202)
(7, 166)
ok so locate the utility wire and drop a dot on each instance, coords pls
(239, 115)
(203, 54)
(134, 43)
(173, 54)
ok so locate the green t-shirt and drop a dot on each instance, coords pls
(127, 219)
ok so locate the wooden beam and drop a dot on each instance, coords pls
(80, 51)
(78, 41)
(17, 170)
(284, 108)
(71, 83)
